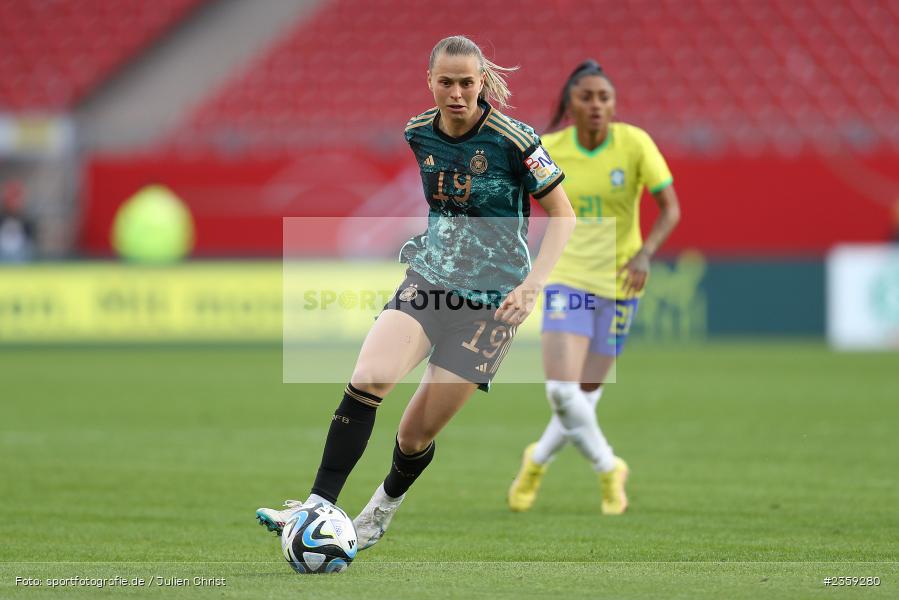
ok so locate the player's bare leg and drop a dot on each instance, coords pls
(438, 398)
(394, 346)
(596, 371)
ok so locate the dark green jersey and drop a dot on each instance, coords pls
(478, 189)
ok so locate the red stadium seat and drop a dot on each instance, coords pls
(52, 53)
(747, 74)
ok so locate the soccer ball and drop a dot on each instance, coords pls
(319, 538)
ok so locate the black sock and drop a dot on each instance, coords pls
(347, 437)
(406, 469)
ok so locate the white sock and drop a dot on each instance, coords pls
(594, 396)
(316, 499)
(606, 461)
(578, 420)
(553, 438)
(380, 493)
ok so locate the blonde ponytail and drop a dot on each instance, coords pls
(495, 86)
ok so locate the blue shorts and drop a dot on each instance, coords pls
(605, 321)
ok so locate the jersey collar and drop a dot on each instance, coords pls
(598, 149)
(468, 134)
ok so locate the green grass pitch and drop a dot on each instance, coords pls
(758, 469)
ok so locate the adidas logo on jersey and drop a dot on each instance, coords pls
(482, 368)
(429, 161)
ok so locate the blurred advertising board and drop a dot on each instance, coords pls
(114, 302)
(35, 135)
(197, 302)
(863, 297)
(689, 298)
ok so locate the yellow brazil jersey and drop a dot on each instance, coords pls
(605, 186)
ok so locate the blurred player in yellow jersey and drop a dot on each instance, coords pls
(587, 313)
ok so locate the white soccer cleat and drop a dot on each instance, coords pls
(374, 519)
(275, 520)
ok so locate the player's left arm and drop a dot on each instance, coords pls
(636, 270)
(522, 300)
(655, 174)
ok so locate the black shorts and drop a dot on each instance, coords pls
(466, 339)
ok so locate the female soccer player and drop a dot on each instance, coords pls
(586, 315)
(469, 285)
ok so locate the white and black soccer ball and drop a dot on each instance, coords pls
(319, 538)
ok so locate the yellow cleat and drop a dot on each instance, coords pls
(614, 500)
(527, 483)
